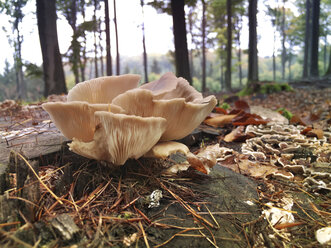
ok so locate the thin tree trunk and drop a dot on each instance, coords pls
(203, 27)
(54, 80)
(108, 51)
(229, 47)
(144, 43)
(252, 43)
(102, 67)
(83, 60)
(116, 37)
(325, 51)
(328, 71)
(283, 42)
(306, 58)
(274, 58)
(181, 51)
(190, 22)
(315, 38)
(96, 73)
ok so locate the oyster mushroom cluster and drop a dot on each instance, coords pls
(112, 119)
(284, 146)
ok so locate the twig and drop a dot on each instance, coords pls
(144, 234)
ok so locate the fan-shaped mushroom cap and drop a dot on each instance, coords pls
(76, 119)
(169, 87)
(182, 117)
(166, 83)
(119, 137)
(103, 89)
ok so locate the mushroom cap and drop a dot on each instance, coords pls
(166, 148)
(76, 119)
(182, 117)
(119, 137)
(166, 83)
(103, 89)
(169, 87)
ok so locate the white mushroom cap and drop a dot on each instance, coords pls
(76, 119)
(103, 89)
(182, 117)
(119, 137)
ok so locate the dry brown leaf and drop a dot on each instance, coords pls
(196, 163)
(315, 133)
(236, 134)
(220, 120)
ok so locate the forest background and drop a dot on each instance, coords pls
(215, 62)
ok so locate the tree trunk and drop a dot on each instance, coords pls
(315, 38)
(229, 47)
(283, 42)
(181, 51)
(190, 24)
(328, 71)
(274, 58)
(52, 64)
(144, 44)
(96, 74)
(203, 27)
(109, 65)
(83, 61)
(102, 67)
(116, 37)
(306, 58)
(239, 20)
(252, 43)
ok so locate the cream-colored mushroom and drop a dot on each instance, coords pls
(164, 149)
(103, 89)
(76, 119)
(165, 84)
(182, 116)
(119, 137)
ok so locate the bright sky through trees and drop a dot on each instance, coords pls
(158, 28)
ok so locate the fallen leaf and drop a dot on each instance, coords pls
(237, 134)
(315, 133)
(242, 105)
(248, 119)
(220, 110)
(196, 163)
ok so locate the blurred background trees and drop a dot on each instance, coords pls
(209, 41)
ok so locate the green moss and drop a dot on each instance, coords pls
(225, 105)
(287, 114)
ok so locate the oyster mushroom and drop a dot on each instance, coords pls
(103, 89)
(76, 119)
(182, 116)
(119, 137)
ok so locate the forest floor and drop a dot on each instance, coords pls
(270, 186)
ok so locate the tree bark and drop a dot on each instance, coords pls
(315, 38)
(328, 71)
(306, 58)
(252, 43)
(283, 42)
(229, 47)
(52, 63)
(144, 44)
(109, 66)
(203, 27)
(96, 73)
(116, 37)
(181, 51)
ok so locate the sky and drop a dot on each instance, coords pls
(158, 30)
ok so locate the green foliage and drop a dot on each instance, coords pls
(287, 114)
(33, 71)
(225, 105)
